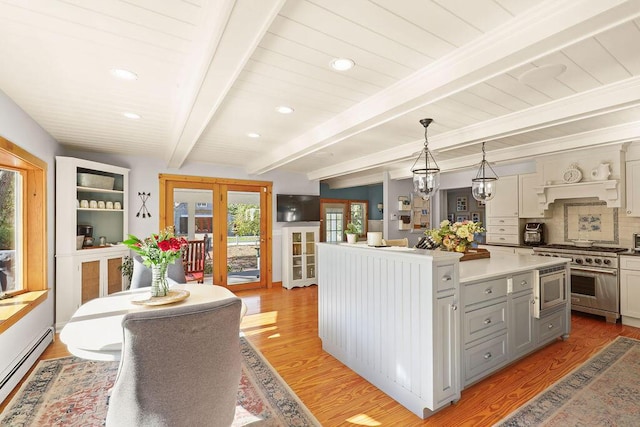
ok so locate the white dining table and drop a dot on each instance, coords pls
(95, 329)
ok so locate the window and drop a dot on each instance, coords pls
(10, 233)
(335, 214)
(23, 231)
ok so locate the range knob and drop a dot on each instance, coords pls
(588, 260)
(598, 261)
(578, 260)
(607, 262)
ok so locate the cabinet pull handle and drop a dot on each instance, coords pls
(487, 321)
(454, 307)
(487, 356)
(502, 229)
(488, 291)
(523, 283)
(550, 326)
(533, 302)
(446, 278)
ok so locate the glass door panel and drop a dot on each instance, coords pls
(333, 221)
(193, 220)
(310, 257)
(244, 240)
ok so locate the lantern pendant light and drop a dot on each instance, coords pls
(426, 180)
(483, 186)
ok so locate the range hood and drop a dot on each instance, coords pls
(608, 191)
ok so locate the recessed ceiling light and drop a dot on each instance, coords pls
(131, 115)
(283, 109)
(124, 74)
(253, 135)
(342, 64)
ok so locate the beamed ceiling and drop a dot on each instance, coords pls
(528, 77)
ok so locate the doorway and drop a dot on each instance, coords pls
(335, 214)
(232, 217)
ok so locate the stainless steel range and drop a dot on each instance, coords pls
(595, 286)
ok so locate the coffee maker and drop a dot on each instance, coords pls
(534, 234)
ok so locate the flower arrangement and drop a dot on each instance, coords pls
(161, 248)
(157, 252)
(456, 236)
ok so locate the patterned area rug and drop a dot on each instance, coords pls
(604, 391)
(72, 392)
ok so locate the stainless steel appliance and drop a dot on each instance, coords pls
(636, 242)
(595, 285)
(549, 289)
(534, 234)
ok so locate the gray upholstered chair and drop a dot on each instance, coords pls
(180, 366)
(141, 276)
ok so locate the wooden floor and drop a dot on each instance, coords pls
(282, 324)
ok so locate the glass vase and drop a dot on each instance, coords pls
(159, 281)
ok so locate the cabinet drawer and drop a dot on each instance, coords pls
(445, 277)
(630, 262)
(551, 326)
(502, 229)
(522, 282)
(502, 220)
(482, 359)
(485, 291)
(511, 239)
(484, 322)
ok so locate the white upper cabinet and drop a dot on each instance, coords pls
(505, 202)
(633, 188)
(528, 206)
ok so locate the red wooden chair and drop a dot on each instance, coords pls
(193, 259)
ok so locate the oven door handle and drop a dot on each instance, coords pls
(595, 270)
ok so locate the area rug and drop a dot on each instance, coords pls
(72, 392)
(604, 391)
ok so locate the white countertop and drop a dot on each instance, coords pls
(502, 264)
(436, 254)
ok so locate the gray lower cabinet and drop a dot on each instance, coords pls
(521, 335)
(498, 324)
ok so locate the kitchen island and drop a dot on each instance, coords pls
(420, 325)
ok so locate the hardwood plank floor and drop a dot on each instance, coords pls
(283, 325)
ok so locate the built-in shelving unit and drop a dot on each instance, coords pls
(85, 272)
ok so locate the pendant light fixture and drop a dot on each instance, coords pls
(426, 180)
(483, 186)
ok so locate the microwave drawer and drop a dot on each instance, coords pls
(502, 229)
(511, 239)
(502, 220)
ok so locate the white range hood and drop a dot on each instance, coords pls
(608, 191)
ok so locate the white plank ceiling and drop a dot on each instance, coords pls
(525, 76)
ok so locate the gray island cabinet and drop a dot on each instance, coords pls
(420, 325)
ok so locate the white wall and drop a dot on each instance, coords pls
(144, 178)
(17, 127)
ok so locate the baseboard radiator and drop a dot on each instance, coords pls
(22, 365)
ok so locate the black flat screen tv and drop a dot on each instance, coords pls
(297, 207)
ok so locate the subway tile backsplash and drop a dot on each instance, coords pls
(589, 219)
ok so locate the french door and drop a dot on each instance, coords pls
(335, 214)
(233, 217)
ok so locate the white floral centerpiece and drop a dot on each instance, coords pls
(457, 236)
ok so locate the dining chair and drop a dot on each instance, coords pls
(141, 276)
(180, 366)
(193, 260)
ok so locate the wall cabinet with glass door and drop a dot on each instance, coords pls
(299, 256)
(91, 223)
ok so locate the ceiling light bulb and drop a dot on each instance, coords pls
(253, 135)
(283, 109)
(342, 64)
(124, 74)
(129, 115)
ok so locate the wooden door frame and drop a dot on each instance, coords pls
(220, 186)
(347, 203)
